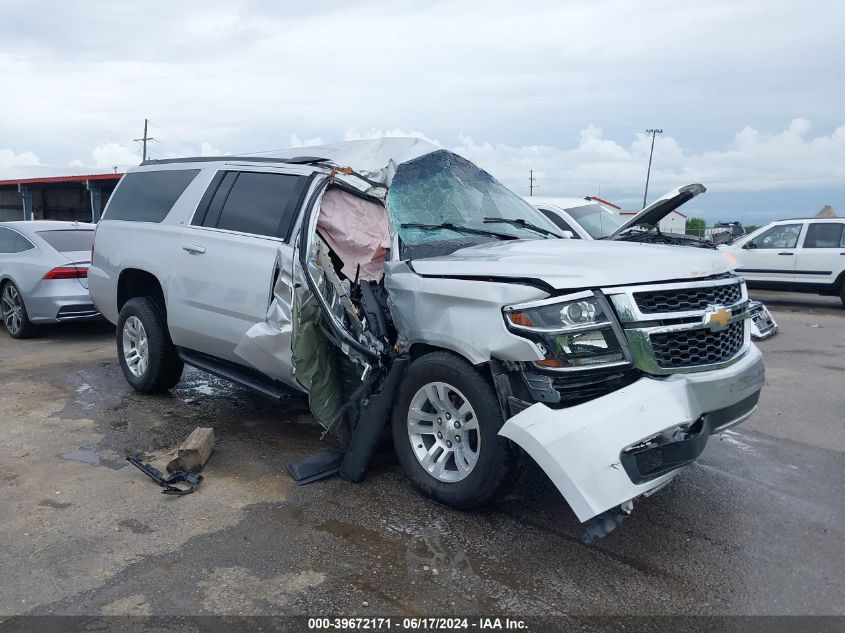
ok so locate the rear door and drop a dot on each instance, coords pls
(226, 267)
(771, 256)
(822, 252)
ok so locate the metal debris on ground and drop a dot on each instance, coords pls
(190, 479)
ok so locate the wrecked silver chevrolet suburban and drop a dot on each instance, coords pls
(394, 280)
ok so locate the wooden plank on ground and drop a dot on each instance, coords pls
(195, 451)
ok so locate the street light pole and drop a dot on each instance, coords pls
(653, 132)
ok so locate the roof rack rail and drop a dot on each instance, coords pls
(296, 160)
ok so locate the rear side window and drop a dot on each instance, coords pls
(252, 202)
(13, 242)
(68, 241)
(149, 195)
(824, 235)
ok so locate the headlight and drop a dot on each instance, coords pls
(580, 333)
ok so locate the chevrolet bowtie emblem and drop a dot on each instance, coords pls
(717, 318)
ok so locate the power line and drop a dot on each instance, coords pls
(144, 140)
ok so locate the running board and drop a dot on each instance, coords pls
(239, 374)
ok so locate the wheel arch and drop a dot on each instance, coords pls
(418, 350)
(136, 282)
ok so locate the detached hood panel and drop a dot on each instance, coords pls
(565, 264)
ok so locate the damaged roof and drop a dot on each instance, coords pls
(376, 159)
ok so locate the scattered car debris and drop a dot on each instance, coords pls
(603, 524)
(190, 479)
(763, 324)
(324, 463)
(194, 452)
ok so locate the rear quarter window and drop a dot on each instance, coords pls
(824, 235)
(148, 196)
(258, 203)
(68, 241)
(13, 242)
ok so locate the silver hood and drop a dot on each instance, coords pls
(565, 264)
(660, 208)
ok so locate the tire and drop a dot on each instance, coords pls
(451, 382)
(13, 312)
(147, 356)
(842, 294)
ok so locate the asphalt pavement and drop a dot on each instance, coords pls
(754, 527)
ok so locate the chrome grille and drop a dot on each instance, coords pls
(686, 299)
(762, 319)
(690, 348)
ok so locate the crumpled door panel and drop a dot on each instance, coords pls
(267, 345)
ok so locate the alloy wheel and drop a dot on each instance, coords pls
(135, 346)
(443, 431)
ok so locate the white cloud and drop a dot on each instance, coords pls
(295, 141)
(561, 86)
(206, 149)
(109, 155)
(353, 134)
(76, 163)
(11, 162)
(753, 161)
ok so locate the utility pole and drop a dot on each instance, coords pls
(653, 132)
(531, 180)
(144, 140)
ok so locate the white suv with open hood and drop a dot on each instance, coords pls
(392, 279)
(588, 219)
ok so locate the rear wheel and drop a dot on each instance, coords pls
(842, 294)
(147, 356)
(445, 431)
(13, 312)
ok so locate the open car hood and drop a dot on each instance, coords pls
(660, 208)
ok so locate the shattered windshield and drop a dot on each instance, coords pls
(598, 221)
(433, 197)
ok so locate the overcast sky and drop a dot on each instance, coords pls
(751, 95)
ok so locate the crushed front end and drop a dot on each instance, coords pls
(633, 382)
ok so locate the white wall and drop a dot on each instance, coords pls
(672, 223)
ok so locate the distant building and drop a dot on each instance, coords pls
(80, 198)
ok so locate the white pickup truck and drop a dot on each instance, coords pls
(392, 279)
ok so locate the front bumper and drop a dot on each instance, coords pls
(610, 450)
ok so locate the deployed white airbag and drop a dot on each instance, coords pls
(358, 232)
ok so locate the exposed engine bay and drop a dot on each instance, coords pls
(655, 236)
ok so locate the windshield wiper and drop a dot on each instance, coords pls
(458, 228)
(525, 224)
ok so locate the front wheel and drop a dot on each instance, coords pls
(147, 356)
(842, 294)
(445, 431)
